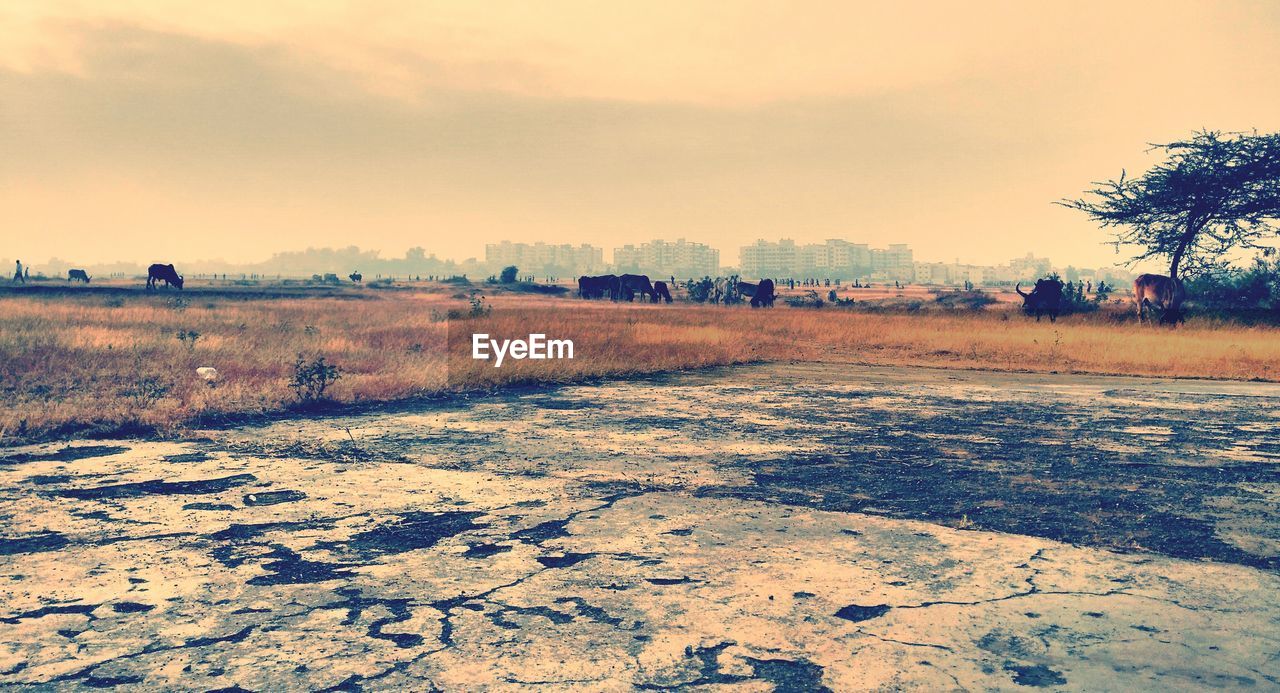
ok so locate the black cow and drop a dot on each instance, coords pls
(661, 291)
(764, 294)
(1045, 299)
(77, 275)
(355, 277)
(163, 273)
(598, 287)
(630, 284)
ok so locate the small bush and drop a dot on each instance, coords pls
(808, 299)
(535, 288)
(509, 274)
(312, 378)
(964, 300)
(146, 391)
(188, 338)
(700, 290)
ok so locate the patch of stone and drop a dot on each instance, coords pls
(273, 497)
(158, 487)
(69, 453)
(857, 614)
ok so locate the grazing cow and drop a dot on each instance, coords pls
(598, 287)
(77, 275)
(1044, 299)
(163, 273)
(630, 284)
(355, 277)
(1162, 293)
(660, 290)
(764, 295)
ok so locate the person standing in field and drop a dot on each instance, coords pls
(17, 273)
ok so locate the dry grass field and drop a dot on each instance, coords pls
(91, 362)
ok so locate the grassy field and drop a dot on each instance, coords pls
(100, 362)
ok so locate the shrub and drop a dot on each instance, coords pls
(535, 288)
(1248, 292)
(808, 299)
(146, 391)
(312, 378)
(509, 274)
(964, 300)
(188, 338)
(700, 290)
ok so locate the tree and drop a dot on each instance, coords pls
(1215, 193)
(509, 274)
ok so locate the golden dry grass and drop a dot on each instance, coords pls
(85, 362)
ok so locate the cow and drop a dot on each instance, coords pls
(1044, 299)
(598, 287)
(660, 291)
(163, 273)
(355, 277)
(77, 275)
(630, 284)
(764, 295)
(1158, 292)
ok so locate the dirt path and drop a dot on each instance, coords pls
(777, 525)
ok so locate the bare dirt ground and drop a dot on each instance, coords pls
(780, 526)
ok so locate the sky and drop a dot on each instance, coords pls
(143, 131)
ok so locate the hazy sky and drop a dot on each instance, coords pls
(232, 130)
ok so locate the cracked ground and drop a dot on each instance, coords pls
(777, 527)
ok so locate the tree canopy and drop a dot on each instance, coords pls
(1214, 193)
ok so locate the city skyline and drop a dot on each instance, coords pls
(832, 259)
(139, 131)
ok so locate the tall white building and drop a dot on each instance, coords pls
(832, 259)
(542, 258)
(765, 259)
(680, 259)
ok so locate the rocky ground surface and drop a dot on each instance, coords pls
(785, 527)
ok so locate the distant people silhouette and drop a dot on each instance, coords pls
(18, 275)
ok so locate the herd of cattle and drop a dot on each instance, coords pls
(155, 274)
(1152, 293)
(627, 286)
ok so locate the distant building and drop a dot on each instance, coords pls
(544, 259)
(954, 273)
(765, 259)
(1028, 268)
(895, 263)
(832, 259)
(680, 259)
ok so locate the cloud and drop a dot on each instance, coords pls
(222, 134)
